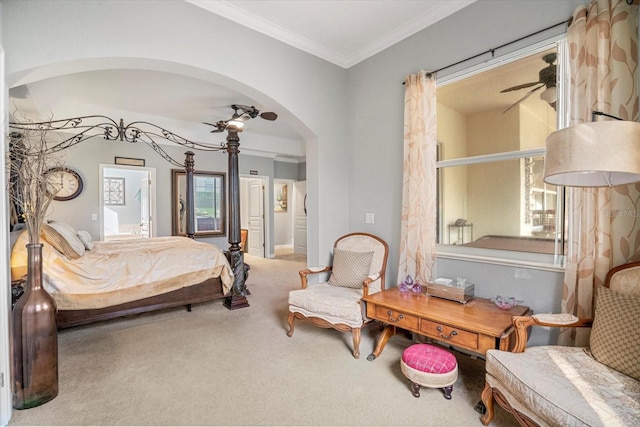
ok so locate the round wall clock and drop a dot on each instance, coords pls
(68, 182)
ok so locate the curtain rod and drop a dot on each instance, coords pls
(492, 51)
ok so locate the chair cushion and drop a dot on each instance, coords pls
(565, 386)
(429, 358)
(615, 336)
(324, 299)
(350, 268)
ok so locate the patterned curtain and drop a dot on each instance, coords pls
(603, 57)
(418, 234)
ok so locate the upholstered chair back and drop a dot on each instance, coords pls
(625, 281)
(361, 242)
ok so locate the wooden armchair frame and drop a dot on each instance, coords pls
(342, 327)
(490, 394)
(522, 325)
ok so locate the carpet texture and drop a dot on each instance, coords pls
(214, 366)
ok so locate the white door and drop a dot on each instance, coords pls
(146, 225)
(256, 218)
(300, 217)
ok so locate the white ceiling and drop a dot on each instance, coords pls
(344, 32)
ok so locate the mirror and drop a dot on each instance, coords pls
(209, 200)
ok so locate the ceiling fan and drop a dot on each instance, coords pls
(241, 113)
(546, 79)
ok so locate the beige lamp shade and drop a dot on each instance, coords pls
(595, 154)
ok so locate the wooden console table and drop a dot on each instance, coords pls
(477, 326)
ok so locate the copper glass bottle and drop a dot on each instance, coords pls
(35, 340)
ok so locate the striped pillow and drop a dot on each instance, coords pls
(350, 268)
(64, 238)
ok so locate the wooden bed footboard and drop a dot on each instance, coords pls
(208, 290)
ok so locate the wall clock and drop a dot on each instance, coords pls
(68, 182)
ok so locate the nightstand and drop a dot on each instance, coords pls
(17, 289)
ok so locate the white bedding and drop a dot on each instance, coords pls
(115, 272)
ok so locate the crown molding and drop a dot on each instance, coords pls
(440, 11)
(227, 9)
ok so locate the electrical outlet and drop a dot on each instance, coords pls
(94, 217)
(369, 218)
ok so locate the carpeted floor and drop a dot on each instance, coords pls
(219, 367)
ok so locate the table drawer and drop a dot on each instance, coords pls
(396, 318)
(449, 334)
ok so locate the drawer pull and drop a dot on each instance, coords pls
(446, 337)
(391, 319)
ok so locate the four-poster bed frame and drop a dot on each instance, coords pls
(210, 289)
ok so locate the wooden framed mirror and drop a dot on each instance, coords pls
(209, 199)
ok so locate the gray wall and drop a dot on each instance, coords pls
(86, 156)
(375, 132)
(285, 170)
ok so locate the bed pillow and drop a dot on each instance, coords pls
(615, 336)
(14, 236)
(350, 268)
(64, 238)
(86, 239)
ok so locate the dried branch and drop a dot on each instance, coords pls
(29, 158)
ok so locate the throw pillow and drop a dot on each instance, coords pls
(86, 239)
(350, 268)
(64, 240)
(615, 336)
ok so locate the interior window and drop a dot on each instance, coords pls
(492, 127)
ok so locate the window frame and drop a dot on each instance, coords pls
(552, 262)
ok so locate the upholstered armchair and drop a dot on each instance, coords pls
(358, 269)
(574, 386)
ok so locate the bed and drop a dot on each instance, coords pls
(116, 278)
(108, 279)
(514, 243)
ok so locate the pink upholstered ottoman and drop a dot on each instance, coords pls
(429, 366)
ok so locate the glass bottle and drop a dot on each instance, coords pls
(35, 339)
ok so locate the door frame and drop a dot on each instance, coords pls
(268, 209)
(152, 194)
(5, 307)
(295, 216)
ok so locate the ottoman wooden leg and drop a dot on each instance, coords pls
(415, 389)
(447, 392)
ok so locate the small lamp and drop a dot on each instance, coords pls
(594, 154)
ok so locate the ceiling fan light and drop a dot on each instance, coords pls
(238, 124)
(549, 95)
(594, 154)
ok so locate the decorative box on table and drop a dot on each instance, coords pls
(448, 289)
